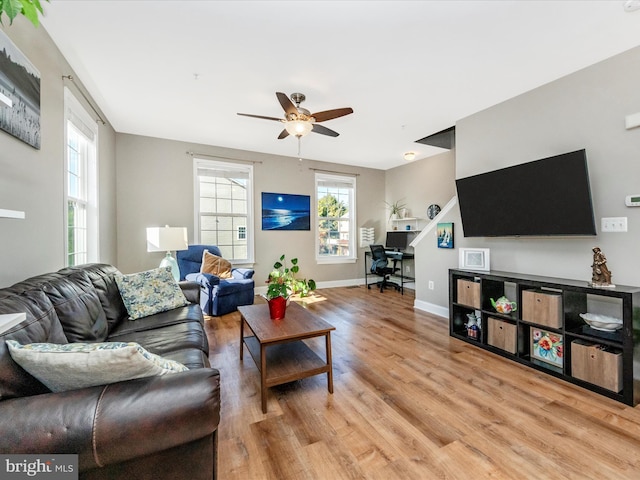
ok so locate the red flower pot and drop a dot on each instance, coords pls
(277, 307)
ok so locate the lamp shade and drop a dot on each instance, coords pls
(165, 239)
(299, 128)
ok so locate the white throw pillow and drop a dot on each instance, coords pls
(77, 365)
(150, 292)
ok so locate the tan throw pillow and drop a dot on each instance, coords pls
(215, 265)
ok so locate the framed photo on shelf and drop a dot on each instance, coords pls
(474, 259)
(547, 346)
(445, 235)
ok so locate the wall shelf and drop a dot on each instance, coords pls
(11, 214)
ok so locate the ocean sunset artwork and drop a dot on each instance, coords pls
(283, 211)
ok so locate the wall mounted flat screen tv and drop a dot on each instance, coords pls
(545, 197)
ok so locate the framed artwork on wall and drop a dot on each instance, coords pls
(283, 211)
(19, 94)
(445, 235)
(474, 259)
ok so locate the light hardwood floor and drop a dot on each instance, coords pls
(410, 402)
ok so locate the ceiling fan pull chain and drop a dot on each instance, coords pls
(299, 137)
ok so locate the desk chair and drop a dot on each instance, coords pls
(380, 267)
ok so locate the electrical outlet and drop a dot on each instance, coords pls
(431, 285)
(613, 224)
(407, 269)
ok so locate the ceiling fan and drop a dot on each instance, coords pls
(298, 121)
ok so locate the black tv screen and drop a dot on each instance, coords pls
(544, 197)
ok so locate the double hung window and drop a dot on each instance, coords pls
(81, 184)
(224, 207)
(335, 228)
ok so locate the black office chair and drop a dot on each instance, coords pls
(380, 267)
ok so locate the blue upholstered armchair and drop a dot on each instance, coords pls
(217, 296)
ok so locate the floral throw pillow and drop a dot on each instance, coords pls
(150, 292)
(79, 365)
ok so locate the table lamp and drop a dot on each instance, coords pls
(166, 239)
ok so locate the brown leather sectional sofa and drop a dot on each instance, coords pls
(162, 427)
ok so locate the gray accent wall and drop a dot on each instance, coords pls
(155, 188)
(33, 180)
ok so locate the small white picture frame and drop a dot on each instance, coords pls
(474, 259)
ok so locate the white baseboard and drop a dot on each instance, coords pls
(431, 308)
(329, 284)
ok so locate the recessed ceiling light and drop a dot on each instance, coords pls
(409, 156)
(631, 5)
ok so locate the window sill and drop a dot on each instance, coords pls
(334, 260)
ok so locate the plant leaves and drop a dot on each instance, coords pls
(11, 8)
(29, 11)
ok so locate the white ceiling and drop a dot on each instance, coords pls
(407, 68)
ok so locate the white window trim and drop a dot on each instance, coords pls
(353, 257)
(250, 231)
(72, 107)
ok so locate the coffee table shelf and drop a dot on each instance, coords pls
(287, 361)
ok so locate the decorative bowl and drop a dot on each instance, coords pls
(602, 322)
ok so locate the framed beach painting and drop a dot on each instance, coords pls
(19, 94)
(283, 211)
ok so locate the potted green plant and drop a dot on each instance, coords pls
(395, 209)
(282, 283)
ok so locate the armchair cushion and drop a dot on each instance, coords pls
(79, 365)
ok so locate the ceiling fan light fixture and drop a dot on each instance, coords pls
(298, 128)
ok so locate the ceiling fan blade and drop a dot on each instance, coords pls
(331, 114)
(283, 134)
(261, 116)
(324, 130)
(287, 104)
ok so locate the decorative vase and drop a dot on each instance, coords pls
(277, 307)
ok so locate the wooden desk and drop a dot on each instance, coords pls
(277, 348)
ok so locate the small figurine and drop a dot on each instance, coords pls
(601, 276)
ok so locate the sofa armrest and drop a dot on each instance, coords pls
(191, 290)
(114, 423)
(242, 273)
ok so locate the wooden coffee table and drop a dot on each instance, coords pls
(277, 347)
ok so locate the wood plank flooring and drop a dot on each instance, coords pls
(410, 402)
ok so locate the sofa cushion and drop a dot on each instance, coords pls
(103, 276)
(165, 340)
(215, 265)
(78, 365)
(78, 307)
(188, 313)
(150, 292)
(41, 325)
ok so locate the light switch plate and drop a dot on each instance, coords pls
(613, 224)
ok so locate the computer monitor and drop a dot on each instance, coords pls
(397, 240)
